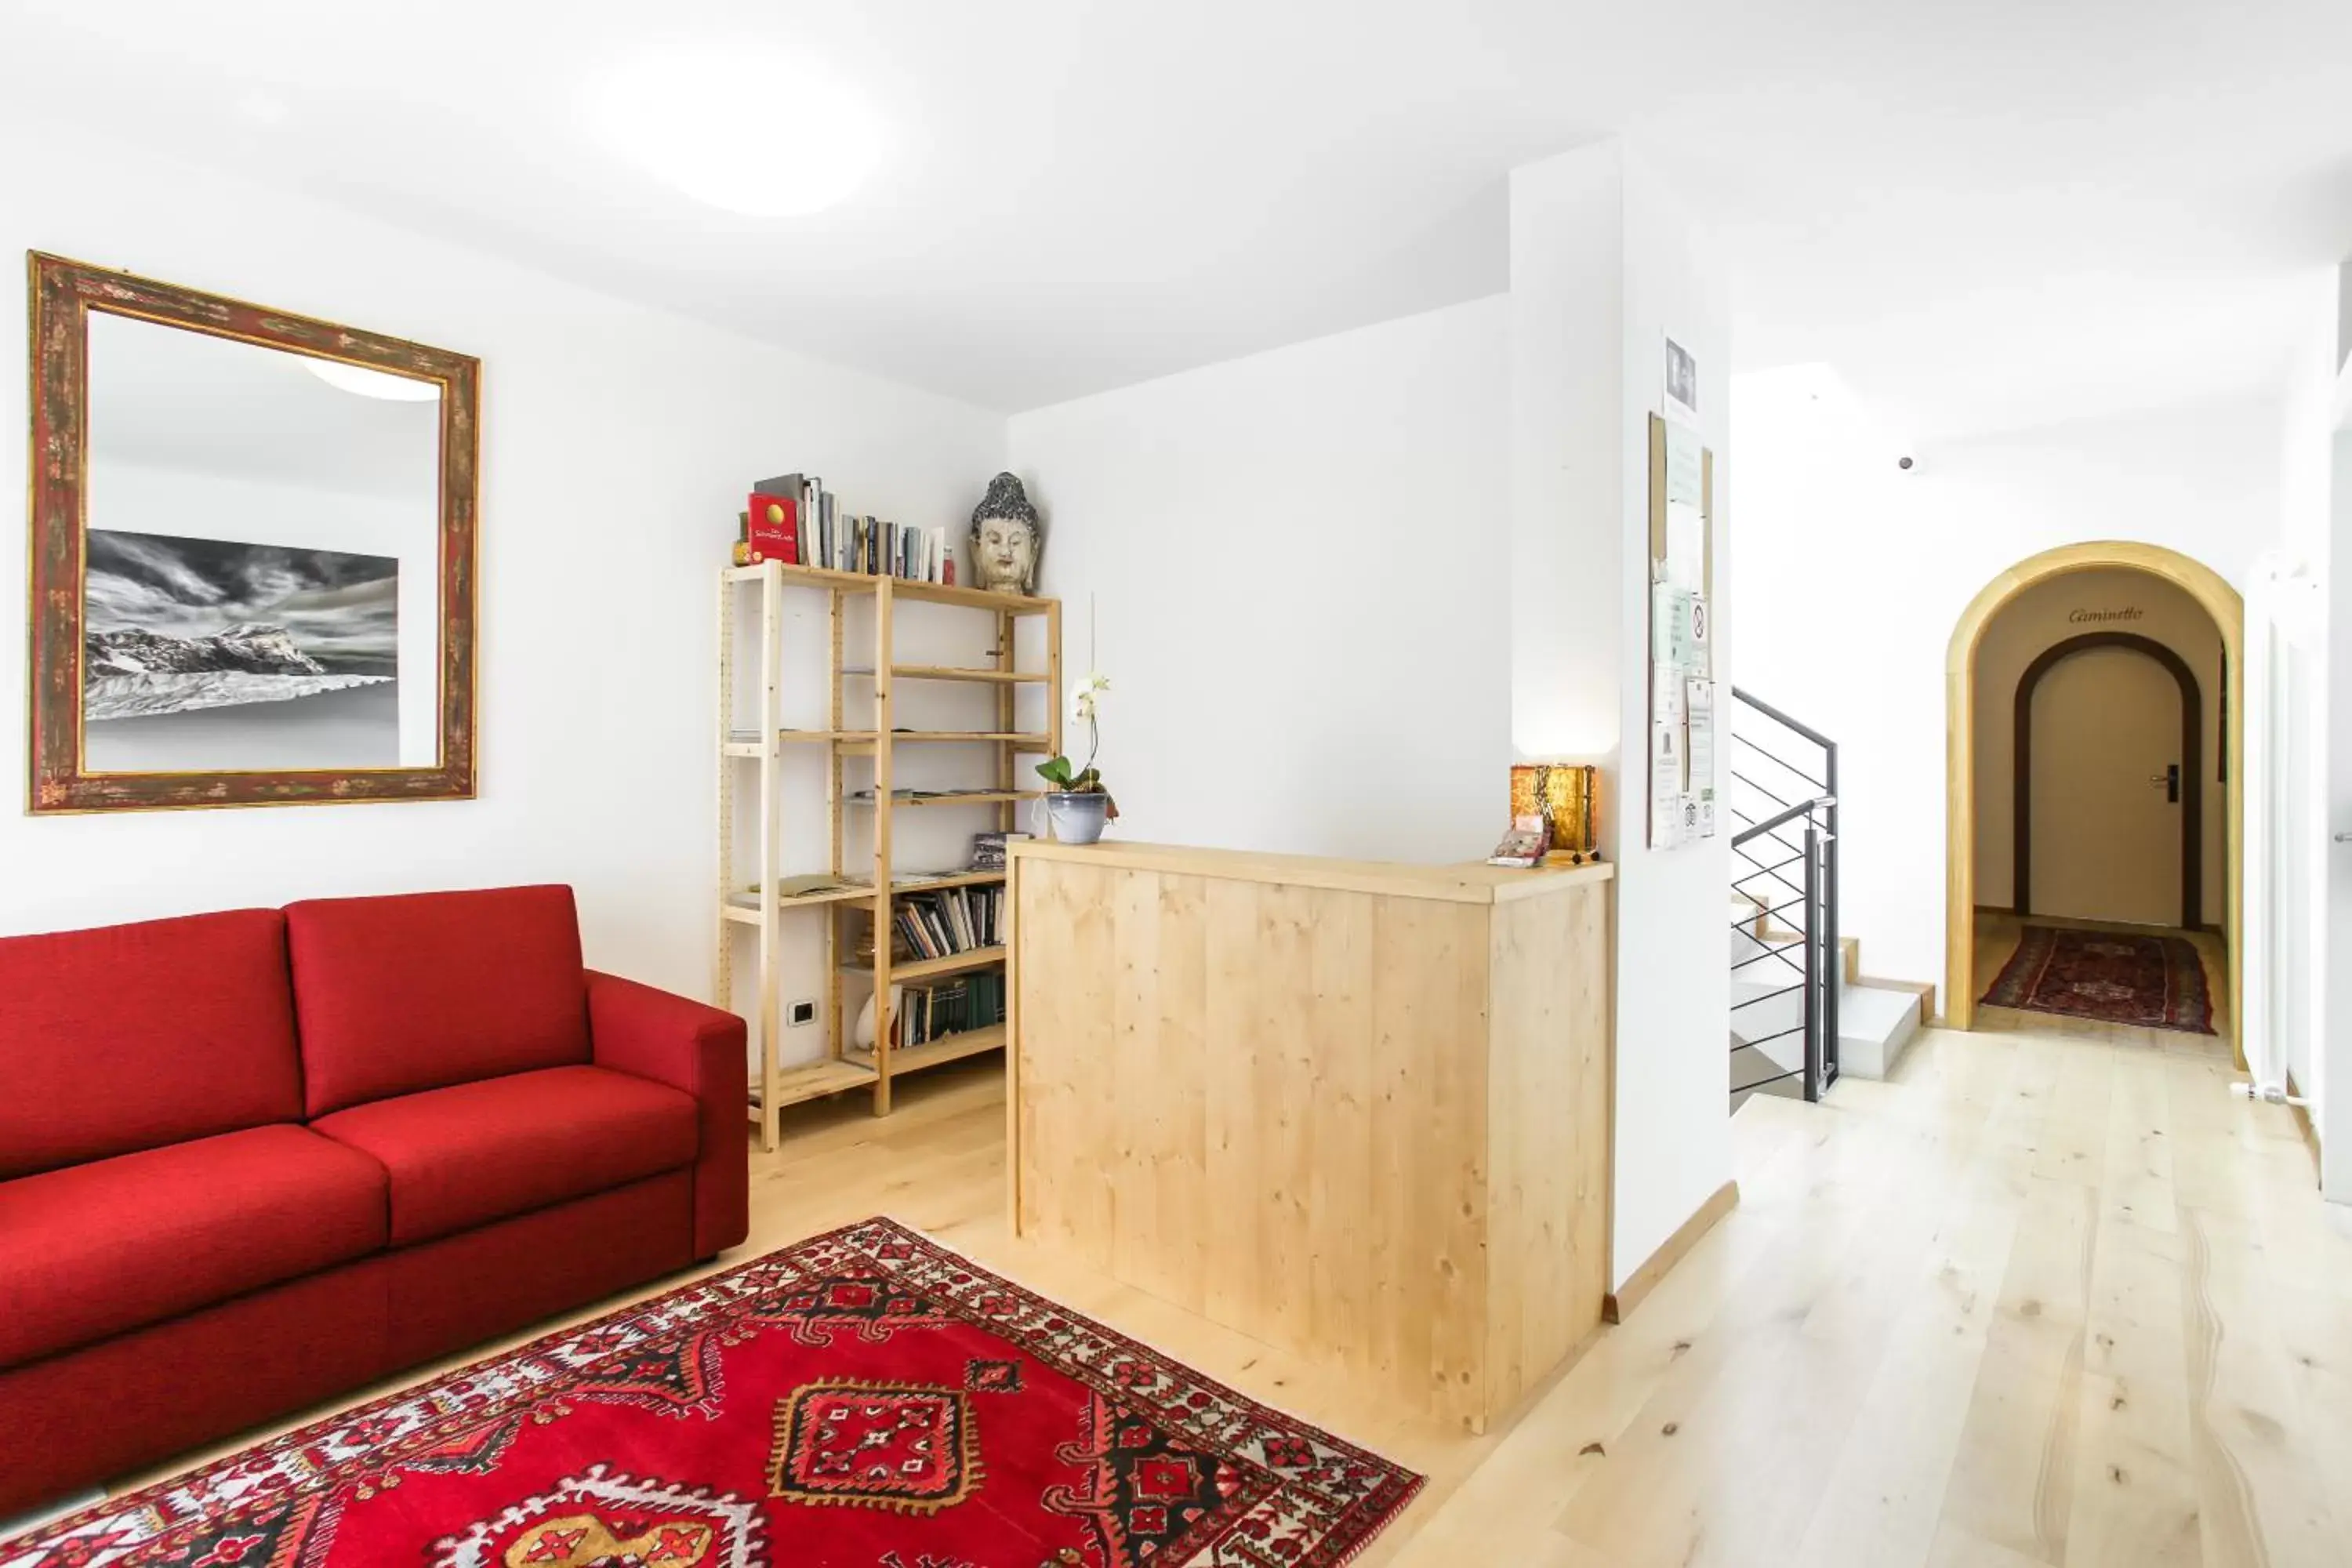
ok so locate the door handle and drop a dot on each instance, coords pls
(2169, 781)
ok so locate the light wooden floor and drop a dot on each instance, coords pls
(2036, 1300)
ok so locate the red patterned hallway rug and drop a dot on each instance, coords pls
(2148, 982)
(863, 1400)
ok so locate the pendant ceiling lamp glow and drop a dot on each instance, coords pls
(760, 138)
(369, 383)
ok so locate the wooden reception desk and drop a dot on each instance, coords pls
(1355, 1109)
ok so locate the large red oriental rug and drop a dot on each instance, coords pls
(866, 1399)
(2149, 982)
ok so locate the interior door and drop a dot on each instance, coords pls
(2106, 823)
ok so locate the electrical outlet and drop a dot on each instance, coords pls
(801, 1013)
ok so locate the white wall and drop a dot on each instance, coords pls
(1604, 267)
(2316, 468)
(1673, 1017)
(618, 442)
(1853, 574)
(1297, 565)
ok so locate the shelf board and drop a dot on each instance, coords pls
(957, 672)
(931, 1053)
(858, 742)
(954, 879)
(813, 1081)
(900, 588)
(744, 907)
(746, 743)
(924, 969)
(859, 745)
(962, 798)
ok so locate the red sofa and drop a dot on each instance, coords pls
(250, 1161)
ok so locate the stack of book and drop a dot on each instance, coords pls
(955, 919)
(793, 518)
(928, 1013)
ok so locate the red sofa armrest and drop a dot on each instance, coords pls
(669, 1039)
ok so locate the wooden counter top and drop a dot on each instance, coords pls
(1473, 883)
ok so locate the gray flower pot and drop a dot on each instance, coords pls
(1078, 818)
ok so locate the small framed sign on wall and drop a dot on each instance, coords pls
(1682, 384)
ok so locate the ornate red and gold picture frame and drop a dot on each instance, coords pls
(252, 542)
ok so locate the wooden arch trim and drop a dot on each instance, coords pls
(2192, 785)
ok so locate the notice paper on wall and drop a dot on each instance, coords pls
(1686, 509)
(1665, 785)
(1698, 753)
(1683, 708)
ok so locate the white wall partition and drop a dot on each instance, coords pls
(1299, 566)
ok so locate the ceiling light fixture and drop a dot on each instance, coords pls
(711, 127)
(266, 109)
(369, 383)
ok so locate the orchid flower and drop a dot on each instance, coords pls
(1086, 707)
(1083, 702)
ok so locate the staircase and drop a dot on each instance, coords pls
(1800, 1015)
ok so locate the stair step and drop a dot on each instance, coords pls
(1873, 1025)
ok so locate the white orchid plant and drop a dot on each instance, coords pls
(1086, 707)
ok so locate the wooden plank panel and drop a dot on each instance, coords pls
(1067, 1001)
(1157, 939)
(1339, 1275)
(1429, 1127)
(1180, 1104)
(1282, 1077)
(1229, 1263)
(1547, 1099)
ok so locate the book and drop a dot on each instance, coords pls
(1521, 847)
(815, 882)
(773, 528)
(988, 850)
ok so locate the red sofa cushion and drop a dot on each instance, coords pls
(132, 1036)
(412, 993)
(473, 1152)
(95, 1249)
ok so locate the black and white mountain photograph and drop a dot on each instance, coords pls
(202, 655)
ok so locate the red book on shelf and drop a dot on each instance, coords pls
(776, 528)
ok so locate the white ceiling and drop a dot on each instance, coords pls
(1986, 215)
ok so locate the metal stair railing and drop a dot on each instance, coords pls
(1785, 863)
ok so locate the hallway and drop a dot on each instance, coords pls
(2039, 1299)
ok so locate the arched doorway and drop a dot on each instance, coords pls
(2220, 602)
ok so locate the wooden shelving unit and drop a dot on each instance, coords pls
(750, 760)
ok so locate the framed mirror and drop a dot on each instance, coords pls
(252, 539)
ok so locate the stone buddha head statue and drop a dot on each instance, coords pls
(1007, 537)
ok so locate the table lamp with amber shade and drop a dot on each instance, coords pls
(1564, 795)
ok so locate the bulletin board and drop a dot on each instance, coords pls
(1685, 714)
